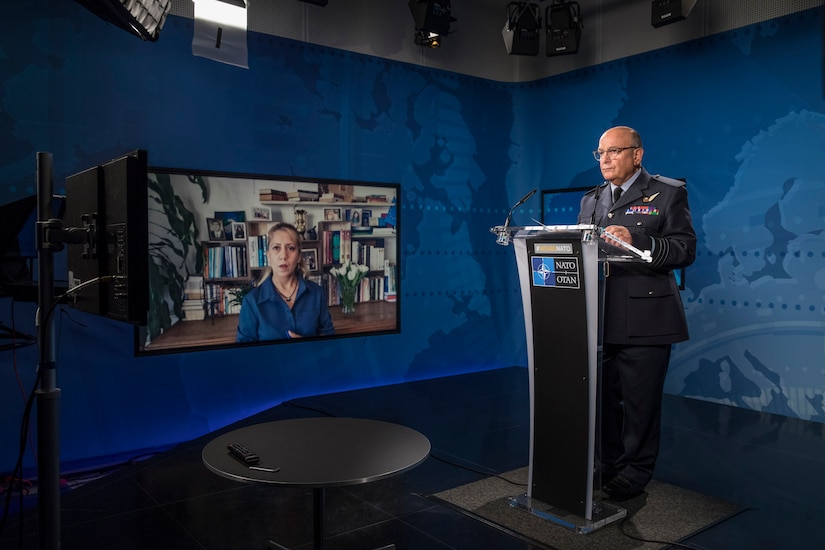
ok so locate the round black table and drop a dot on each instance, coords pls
(318, 453)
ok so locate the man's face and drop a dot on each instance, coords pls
(618, 169)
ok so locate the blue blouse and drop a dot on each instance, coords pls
(265, 315)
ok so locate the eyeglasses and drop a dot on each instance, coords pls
(611, 153)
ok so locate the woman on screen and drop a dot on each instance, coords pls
(283, 303)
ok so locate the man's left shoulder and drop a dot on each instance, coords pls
(672, 182)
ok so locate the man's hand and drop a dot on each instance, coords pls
(618, 231)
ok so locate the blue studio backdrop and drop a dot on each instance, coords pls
(740, 115)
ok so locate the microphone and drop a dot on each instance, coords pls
(503, 235)
(596, 203)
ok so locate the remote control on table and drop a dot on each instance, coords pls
(243, 454)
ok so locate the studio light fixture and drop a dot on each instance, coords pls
(220, 31)
(522, 28)
(563, 25)
(664, 12)
(432, 21)
(428, 39)
(143, 18)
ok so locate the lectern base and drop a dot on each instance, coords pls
(604, 514)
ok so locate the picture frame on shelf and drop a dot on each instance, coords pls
(214, 227)
(228, 218)
(310, 256)
(260, 213)
(332, 214)
(238, 231)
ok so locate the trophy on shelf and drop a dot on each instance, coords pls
(301, 221)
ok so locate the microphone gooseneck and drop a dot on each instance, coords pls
(596, 203)
(503, 235)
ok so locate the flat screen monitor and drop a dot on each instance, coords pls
(207, 242)
(107, 271)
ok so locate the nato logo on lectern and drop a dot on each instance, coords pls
(555, 272)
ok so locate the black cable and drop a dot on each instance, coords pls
(477, 470)
(24, 423)
(18, 467)
(656, 541)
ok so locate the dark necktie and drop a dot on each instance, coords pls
(617, 192)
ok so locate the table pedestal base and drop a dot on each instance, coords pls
(317, 522)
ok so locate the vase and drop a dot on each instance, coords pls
(347, 300)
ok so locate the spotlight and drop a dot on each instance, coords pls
(429, 39)
(220, 31)
(432, 21)
(564, 27)
(143, 18)
(522, 30)
(663, 12)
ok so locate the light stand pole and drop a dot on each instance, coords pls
(48, 394)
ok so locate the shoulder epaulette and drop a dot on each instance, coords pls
(669, 181)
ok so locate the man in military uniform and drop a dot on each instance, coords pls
(643, 312)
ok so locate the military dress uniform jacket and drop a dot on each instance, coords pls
(642, 301)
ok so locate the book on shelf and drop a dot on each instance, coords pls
(390, 292)
(377, 198)
(193, 288)
(252, 249)
(272, 195)
(221, 299)
(376, 258)
(336, 240)
(334, 247)
(346, 246)
(369, 252)
(194, 312)
(331, 197)
(302, 195)
(225, 261)
(257, 251)
(193, 296)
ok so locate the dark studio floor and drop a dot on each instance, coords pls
(773, 466)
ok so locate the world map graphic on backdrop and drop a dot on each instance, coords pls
(768, 238)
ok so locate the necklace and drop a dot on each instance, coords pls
(291, 294)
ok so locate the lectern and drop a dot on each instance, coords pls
(561, 275)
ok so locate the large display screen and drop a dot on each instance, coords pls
(208, 236)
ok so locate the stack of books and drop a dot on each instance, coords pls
(193, 309)
(331, 197)
(390, 286)
(302, 195)
(272, 195)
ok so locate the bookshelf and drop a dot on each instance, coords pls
(347, 229)
(225, 273)
(348, 226)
